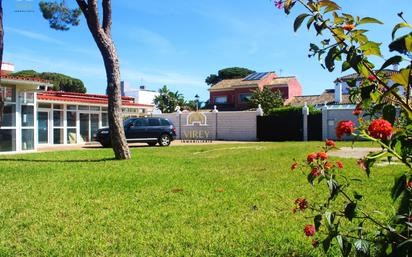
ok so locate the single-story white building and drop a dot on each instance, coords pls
(33, 116)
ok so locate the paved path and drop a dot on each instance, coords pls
(356, 152)
(134, 145)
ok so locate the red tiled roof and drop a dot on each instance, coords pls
(84, 98)
(3, 76)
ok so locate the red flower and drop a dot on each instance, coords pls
(310, 230)
(294, 166)
(279, 4)
(315, 172)
(371, 77)
(328, 166)
(358, 110)
(322, 156)
(348, 27)
(380, 129)
(344, 127)
(330, 143)
(339, 164)
(409, 184)
(301, 203)
(311, 157)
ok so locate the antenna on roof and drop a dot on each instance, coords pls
(280, 72)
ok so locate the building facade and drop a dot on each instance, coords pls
(233, 94)
(33, 117)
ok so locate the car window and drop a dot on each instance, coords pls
(140, 123)
(154, 122)
(164, 122)
(127, 122)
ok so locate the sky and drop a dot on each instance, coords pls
(178, 43)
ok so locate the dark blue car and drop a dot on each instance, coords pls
(142, 130)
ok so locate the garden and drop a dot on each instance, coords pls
(202, 200)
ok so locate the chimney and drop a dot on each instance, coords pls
(6, 68)
(143, 87)
(338, 92)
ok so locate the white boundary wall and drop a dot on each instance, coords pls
(331, 115)
(231, 126)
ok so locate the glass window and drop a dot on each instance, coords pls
(94, 108)
(140, 122)
(245, 98)
(7, 140)
(220, 99)
(83, 108)
(164, 122)
(27, 116)
(27, 139)
(105, 120)
(72, 107)
(9, 94)
(57, 106)
(154, 122)
(71, 136)
(46, 106)
(104, 109)
(27, 97)
(9, 115)
(58, 118)
(58, 136)
(71, 119)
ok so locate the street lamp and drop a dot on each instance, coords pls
(197, 102)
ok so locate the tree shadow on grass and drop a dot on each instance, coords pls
(55, 161)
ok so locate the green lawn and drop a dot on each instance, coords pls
(212, 200)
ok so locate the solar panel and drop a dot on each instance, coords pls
(256, 76)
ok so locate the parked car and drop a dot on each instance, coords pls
(142, 130)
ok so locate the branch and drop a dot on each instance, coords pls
(84, 7)
(107, 16)
(93, 19)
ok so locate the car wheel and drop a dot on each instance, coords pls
(165, 140)
(152, 143)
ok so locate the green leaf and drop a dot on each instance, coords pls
(398, 26)
(371, 48)
(345, 66)
(357, 196)
(326, 244)
(408, 43)
(330, 58)
(369, 20)
(310, 22)
(362, 247)
(398, 187)
(350, 211)
(317, 221)
(288, 6)
(344, 245)
(401, 77)
(333, 188)
(391, 61)
(299, 20)
(389, 113)
(330, 5)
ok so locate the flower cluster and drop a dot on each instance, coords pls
(345, 127)
(279, 4)
(300, 204)
(380, 129)
(310, 230)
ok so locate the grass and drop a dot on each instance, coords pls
(211, 200)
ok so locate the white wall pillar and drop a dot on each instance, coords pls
(305, 113)
(324, 122)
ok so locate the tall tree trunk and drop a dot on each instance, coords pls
(1, 61)
(103, 39)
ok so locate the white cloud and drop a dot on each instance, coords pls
(33, 35)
